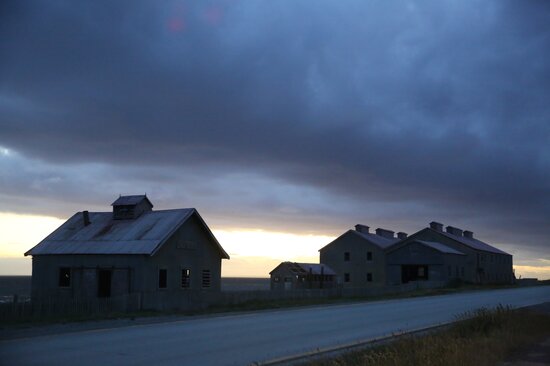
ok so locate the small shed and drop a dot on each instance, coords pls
(300, 276)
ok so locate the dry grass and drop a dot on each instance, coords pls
(483, 337)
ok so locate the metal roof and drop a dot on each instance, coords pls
(439, 247)
(316, 268)
(472, 243)
(130, 200)
(104, 235)
(378, 240)
(306, 268)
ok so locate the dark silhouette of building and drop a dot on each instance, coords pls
(300, 276)
(170, 258)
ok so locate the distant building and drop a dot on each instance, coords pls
(300, 276)
(358, 256)
(363, 259)
(169, 257)
(481, 263)
(419, 260)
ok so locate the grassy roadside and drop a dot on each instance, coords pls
(483, 337)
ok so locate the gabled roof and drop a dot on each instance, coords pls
(130, 200)
(472, 243)
(316, 268)
(439, 247)
(381, 241)
(469, 242)
(377, 240)
(144, 235)
(306, 268)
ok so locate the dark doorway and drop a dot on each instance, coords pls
(414, 273)
(104, 283)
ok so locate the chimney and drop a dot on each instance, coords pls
(362, 228)
(401, 235)
(436, 226)
(454, 231)
(86, 218)
(468, 234)
(385, 233)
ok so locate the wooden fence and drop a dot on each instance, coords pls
(21, 308)
(239, 297)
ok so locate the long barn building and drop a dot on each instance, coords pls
(363, 259)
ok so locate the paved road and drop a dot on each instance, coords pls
(246, 338)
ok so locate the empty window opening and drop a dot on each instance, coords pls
(346, 256)
(414, 273)
(205, 278)
(347, 277)
(369, 277)
(369, 256)
(64, 277)
(163, 278)
(185, 276)
(104, 283)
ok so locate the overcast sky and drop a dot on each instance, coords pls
(304, 117)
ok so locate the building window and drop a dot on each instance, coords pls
(462, 272)
(64, 277)
(450, 271)
(347, 277)
(369, 277)
(276, 279)
(421, 272)
(205, 278)
(346, 257)
(369, 256)
(185, 276)
(163, 278)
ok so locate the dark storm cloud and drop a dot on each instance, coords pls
(433, 108)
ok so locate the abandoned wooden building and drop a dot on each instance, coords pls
(420, 260)
(301, 276)
(479, 263)
(363, 259)
(169, 257)
(358, 256)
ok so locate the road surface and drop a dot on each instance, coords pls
(246, 338)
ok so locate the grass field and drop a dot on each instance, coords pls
(483, 337)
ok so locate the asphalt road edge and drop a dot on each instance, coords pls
(346, 347)
(360, 344)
